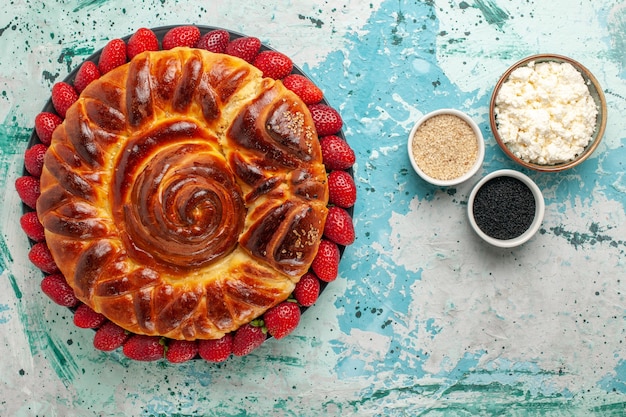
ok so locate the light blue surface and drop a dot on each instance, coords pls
(425, 319)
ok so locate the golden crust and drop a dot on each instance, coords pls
(184, 194)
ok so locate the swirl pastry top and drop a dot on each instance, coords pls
(184, 194)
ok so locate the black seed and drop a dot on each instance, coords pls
(504, 208)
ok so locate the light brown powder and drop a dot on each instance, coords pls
(445, 147)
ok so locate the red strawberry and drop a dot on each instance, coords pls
(246, 48)
(109, 337)
(28, 188)
(273, 64)
(63, 96)
(307, 290)
(33, 159)
(247, 338)
(179, 351)
(304, 88)
(142, 40)
(282, 319)
(41, 257)
(339, 227)
(86, 318)
(141, 347)
(341, 189)
(217, 350)
(58, 290)
(45, 123)
(181, 36)
(32, 226)
(326, 262)
(326, 119)
(87, 73)
(336, 152)
(214, 41)
(112, 56)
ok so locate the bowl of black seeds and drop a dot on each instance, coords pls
(506, 208)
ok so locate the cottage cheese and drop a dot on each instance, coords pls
(545, 113)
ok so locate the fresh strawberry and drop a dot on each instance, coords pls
(273, 64)
(58, 290)
(41, 257)
(142, 40)
(112, 56)
(181, 36)
(179, 351)
(339, 227)
(326, 262)
(33, 159)
(32, 226)
(217, 350)
(141, 347)
(214, 41)
(87, 73)
(109, 337)
(307, 290)
(246, 48)
(336, 153)
(28, 188)
(304, 88)
(341, 189)
(326, 119)
(63, 96)
(45, 123)
(247, 338)
(282, 319)
(86, 318)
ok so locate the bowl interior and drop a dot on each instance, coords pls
(479, 157)
(595, 91)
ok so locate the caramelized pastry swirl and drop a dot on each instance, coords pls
(184, 194)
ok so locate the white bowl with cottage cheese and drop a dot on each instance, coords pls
(548, 112)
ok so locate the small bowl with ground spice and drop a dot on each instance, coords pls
(506, 208)
(446, 147)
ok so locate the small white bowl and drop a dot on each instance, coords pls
(479, 157)
(539, 209)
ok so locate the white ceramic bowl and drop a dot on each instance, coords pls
(479, 157)
(539, 209)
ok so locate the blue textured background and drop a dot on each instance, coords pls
(424, 319)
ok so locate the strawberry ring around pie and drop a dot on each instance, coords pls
(305, 274)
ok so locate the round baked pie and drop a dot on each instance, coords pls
(184, 194)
